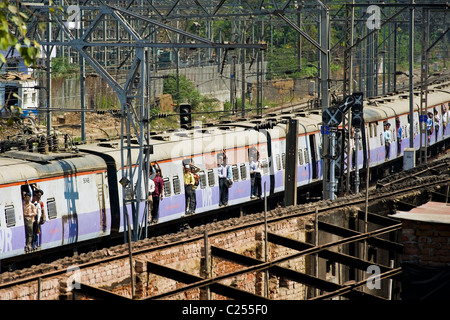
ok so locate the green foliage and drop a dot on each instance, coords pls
(13, 31)
(188, 93)
(61, 67)
(283, 64)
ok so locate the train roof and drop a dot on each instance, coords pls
(392, 105)
(184, 143)
(17, 166)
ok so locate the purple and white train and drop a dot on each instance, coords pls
(83, 196)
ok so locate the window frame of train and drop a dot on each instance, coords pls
(176, 185)
(243, 170)
(235, 172)
(283, 160)
(10, 222)
(265, 166)
(167, 187)
(300, 156)
(52, 212)
(211, 178)
(203, 179)
(305, 152)
(278, 159)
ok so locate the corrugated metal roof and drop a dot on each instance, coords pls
(15, 76)
(434, 212)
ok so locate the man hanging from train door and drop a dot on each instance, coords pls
(157, 194)
(387, 140)
(39, 218)
(194, 170)
(29, 213)
(399, 135)
(225, 181)
(189, 182)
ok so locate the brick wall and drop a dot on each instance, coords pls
(189, 257)
(425, 243)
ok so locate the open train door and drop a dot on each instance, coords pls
(313, 149)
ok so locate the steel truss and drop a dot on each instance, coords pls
(400, 13)
(127, 31)
(347, 290)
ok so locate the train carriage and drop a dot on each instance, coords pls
(83, 191)
(76, 204)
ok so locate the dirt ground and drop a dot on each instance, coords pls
(97, 125)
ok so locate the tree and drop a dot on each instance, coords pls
(187, 90)
(13, 30)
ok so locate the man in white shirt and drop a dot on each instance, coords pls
(39, 218)
(387, 139)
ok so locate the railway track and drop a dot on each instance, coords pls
(391, 190)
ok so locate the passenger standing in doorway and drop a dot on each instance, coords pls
(157, 194)
(193, 203)
(444, 118)
(258, 180)
(387, 139)
(437, 123)
(252, 166)
(188, 188)
(223, 176)
(39, 218)
(29, 214)
(399, 135)
(429, 126)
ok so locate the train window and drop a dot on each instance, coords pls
(375, 130)
(300, 157)
(10, 216)
(51, 208)
(235, 172)
(211, 177)
(167, 192)
(277, 157)
(202, 176)
(381, 139)
(394, 136)
(306, 156)
(176, 185)
(283, 160)
(243, 172)
(265, 166)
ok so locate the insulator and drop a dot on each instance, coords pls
(41, 144)
(55, 143)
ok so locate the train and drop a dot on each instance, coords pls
(83, 196)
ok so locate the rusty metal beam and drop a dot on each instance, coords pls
(291, 274)
(377, 219)
(376, 242)
(348, 288)
(97, 293)
(326, 254)
(254, 268)
(194, 282)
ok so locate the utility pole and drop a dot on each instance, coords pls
(411, 72)
(328, 186)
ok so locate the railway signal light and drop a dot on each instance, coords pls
(357, 110)
(185, 116)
